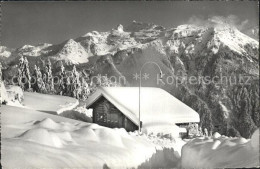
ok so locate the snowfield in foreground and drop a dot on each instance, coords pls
(31, 138)
(34, 139)
(221, 152)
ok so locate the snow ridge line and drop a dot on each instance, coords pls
(66, 108)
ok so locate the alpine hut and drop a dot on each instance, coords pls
(118, 107)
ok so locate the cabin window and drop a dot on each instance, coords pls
(101, 117)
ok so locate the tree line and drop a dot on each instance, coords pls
(68, 83)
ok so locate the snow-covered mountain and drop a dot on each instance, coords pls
(72, 52)
(214, 38)
(187, 50)
(34, 51)
(140, 35)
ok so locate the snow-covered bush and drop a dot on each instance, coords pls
(15, 93)
(11, 95)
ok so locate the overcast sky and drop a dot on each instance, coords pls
(54, 22)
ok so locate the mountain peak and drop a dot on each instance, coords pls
(70, 42)
(72, 53)
(120, 28)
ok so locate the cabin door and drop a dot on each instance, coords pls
(120, 121)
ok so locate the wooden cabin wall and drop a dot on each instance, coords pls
(106, 114)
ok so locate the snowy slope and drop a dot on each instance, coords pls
(52, 103)
(234, 39)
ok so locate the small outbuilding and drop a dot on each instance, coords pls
(118, 107)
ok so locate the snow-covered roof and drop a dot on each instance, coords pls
(157, 105)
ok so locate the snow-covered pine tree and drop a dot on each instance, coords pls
(27, 73)
(62, 82)
(24, 76)
(49, 80)
(20, 72)
(85, 89)
(39, 84)
(35, 75)
(75, 86)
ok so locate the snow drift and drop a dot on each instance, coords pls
(42, 140)
(221, 152)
